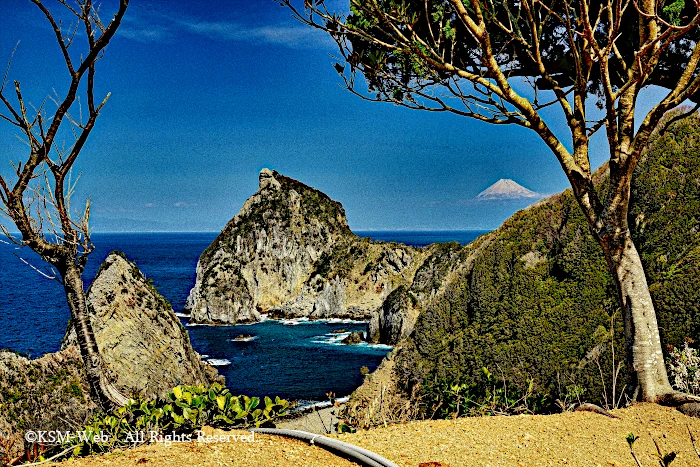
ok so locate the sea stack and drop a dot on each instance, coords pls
(290, 253)
(146, 349)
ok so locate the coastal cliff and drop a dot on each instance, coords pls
(145, 348)
(290, 253)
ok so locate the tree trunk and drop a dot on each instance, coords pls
(645, 361)
(101, 389)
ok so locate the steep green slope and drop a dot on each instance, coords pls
(536, 300)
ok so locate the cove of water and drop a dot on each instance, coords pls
(298, 360)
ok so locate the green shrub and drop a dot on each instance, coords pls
(490, 396)
(540, 317)
(188, 409)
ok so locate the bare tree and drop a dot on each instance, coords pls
(464, 57)
(38, 200)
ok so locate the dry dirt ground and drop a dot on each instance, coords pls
(571, 439)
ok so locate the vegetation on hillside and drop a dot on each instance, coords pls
(537, 304)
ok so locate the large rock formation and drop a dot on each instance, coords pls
(289, 252)
(144, 346)
(145, 349)
(396, 317)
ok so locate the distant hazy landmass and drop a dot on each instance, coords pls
(506, 189)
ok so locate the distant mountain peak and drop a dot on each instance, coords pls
(506, 188)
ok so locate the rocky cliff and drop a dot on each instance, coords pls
(290, 253)
(49, 393)
(146, 349)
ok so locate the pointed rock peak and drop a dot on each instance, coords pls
(267, 179)
(506, 189)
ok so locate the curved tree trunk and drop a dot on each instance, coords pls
(101, 389)
(645, 360)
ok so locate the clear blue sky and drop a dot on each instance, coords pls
(205, 94)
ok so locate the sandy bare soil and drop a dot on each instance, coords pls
(571, 439)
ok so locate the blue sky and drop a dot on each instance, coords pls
(205, 94)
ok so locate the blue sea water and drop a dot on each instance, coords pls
(297, 360)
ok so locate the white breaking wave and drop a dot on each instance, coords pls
(304, 405)
(219, 362)
(244, 339)
(295, 321)
(303, 320)
(344, 321)
(182, 315)
(263, 318)
(331, 338)
(337, 339)
(378, 346)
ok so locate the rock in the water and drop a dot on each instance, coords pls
(145, 347)
(243, 338)
(290, 253)
(355, 337)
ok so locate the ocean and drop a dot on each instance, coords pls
(293, 359)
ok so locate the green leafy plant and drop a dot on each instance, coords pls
(187, 409)
(673, 11)
(665, 458)
(491, 396)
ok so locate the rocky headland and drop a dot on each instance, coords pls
(533, 300)
(145, 349)
(289, 253)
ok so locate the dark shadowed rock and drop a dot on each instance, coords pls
(691, 410)
(395, 319)
(355, 337)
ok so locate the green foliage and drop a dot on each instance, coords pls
(187, 409)
(539, 318)
(447, 400)
(34, 394)
(673, 11)
(665, 458)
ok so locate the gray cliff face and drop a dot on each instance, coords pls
(395, 319)
(289, 252)
(264, 256)
(145, 348)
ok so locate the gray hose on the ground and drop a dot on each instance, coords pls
(349, 451)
